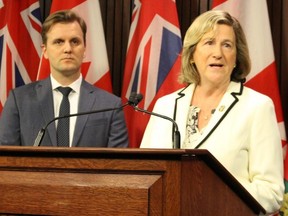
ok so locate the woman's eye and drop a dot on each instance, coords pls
(227, 45)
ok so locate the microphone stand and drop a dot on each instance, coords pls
(41, 133)
(176, 134)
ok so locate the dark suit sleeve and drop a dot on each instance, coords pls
(9, 122)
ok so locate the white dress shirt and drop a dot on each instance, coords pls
(73, 99)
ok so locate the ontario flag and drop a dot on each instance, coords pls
(95, 68)
(20, 44)
(152, 59)
(253, 16)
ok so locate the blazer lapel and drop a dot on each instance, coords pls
(86, 102)
(228, 101)
(45, 98)
(182, 104)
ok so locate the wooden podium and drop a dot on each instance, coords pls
(89, 181)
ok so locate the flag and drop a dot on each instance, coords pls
(20, 44)
(152, 59)
(95, 68)
(254, 18)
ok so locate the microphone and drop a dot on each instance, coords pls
(41, 133)
(135, 98)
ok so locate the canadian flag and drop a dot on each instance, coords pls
(95, 68)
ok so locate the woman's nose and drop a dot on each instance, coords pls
(217, 52)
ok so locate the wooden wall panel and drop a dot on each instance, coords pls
(116, 15)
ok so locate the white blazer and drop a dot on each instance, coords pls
(242, 134)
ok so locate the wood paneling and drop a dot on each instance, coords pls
(283, 60)
(113, 181)
(116, 16)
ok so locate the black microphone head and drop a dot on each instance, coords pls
(135, 98)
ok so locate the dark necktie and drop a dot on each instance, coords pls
(63, 124)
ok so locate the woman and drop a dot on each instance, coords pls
(216, 112)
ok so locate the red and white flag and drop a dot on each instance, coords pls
(152, 59)
(95, 68)
(253, 16)
(20, 44)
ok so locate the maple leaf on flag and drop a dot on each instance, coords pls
(95, 67)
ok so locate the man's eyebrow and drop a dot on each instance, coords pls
(57, 39)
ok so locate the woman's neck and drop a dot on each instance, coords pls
(207, 99)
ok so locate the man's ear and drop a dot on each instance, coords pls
(44, 51)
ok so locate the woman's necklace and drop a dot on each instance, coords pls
(206, 117)
(206, 103)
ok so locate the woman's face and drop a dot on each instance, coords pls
(215, 55)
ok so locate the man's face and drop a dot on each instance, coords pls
(65, 48)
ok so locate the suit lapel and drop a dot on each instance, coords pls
(228, 101)
(182, 104)
(86, 101)
(45, 98)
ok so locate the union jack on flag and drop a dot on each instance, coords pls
(20, 44)
(152, 60)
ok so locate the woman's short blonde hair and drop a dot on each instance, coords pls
(203, 24)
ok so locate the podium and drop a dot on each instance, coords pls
(106, 181)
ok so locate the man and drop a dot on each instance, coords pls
(30, 107)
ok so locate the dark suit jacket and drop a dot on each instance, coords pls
(30, 107)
